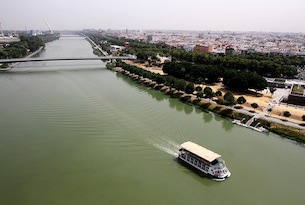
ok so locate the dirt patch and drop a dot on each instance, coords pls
(263, 100)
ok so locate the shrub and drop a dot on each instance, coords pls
(198, 88)
(189, 88)
(217, 108)
(185, 98)
(205, 106)
(208, 92)
(226, 112)
(287, 114)
(218, 93)
(196, 101)
(241, 100)
(238, 107)
(254, 105)
(220, 102)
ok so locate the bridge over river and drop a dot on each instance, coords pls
(21, 60)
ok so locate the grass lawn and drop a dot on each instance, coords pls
(298, 90)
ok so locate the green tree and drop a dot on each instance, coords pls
(170, 80)
(208, 92)
(160, 79)
(142, 56)
(235, 80)
(32, 42)
(3, 54)
(256, 81)
(199, 94)
(198, 88)
(254, 105)
(229, 97)
(287, 114)
(213, 74)
(218, 93)
(179, 84)
(189, 88)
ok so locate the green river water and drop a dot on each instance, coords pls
(77, 133)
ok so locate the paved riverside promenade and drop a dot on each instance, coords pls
(95, 45)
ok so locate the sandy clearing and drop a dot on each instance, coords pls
(263, 101)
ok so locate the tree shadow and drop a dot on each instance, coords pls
(207, 117)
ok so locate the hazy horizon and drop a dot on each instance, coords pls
(196, 15)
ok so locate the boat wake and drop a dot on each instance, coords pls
(218, 180)
(166, 145)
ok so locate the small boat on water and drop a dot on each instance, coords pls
(204, 160)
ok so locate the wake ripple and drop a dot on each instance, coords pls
(166, 145)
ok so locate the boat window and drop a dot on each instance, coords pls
(218, 162)
(214, 162)
(221, 160)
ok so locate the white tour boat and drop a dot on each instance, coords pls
(206, 161)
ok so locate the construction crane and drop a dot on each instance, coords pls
(51, 31)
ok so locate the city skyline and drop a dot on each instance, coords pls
(221, 15)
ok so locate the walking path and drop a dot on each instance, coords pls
(264, 114)
(96, 46)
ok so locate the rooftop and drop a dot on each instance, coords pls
(200, 151)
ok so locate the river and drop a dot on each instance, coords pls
(77, 133)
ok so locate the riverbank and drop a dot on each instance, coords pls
(264, 99)
(97, 50)
(28, 56)
(295, 133)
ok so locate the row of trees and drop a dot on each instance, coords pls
(234, 79)
(192, 72)
(179, 84)
(136, 47)
(278, 59)
(263, 67)
(176, 83)
(188, 87)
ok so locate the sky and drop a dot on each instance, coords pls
(214, 15)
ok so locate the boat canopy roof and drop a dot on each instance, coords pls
(200, 151)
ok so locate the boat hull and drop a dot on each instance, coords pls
(201, 171)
